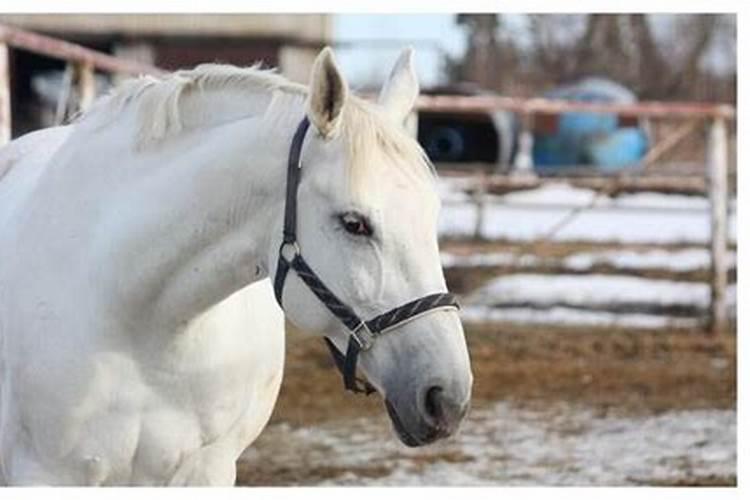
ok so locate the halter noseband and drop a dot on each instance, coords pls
(363, 333)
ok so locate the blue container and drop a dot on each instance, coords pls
(590, 138)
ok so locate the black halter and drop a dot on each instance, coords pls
(363, 333)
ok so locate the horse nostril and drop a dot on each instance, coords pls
(433, 403)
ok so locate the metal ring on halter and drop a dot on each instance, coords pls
(295, 249)
(364, 337)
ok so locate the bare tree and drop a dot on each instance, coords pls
(622, 47)
(488, 55)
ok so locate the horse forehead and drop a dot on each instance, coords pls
(378, 180)
(395, 193)
(417, 197)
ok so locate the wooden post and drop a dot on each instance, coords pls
(716, 173)
(524, 158)
(503, 123)
(63, 98)
(86, 85)
(480, 199)
(5, 117)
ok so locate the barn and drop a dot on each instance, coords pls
(167, 41)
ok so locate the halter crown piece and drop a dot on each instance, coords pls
(363, 334)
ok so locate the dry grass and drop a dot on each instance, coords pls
(619, 369)
(312, 474)
(709, 481)
(610, 369)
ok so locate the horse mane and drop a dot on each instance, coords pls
(374, 140)
(161, 110)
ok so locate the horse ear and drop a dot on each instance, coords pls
(400, 91)
(328, 91)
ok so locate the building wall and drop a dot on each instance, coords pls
(172, 54)
(287, 41)
(310, 28)
(296, 62)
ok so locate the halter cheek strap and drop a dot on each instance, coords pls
(362, 333)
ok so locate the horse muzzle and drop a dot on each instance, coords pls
(436, 415)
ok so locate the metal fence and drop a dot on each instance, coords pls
(83, 62)
(714, 184)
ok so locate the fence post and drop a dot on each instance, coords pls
(86, 85)
(716, 165)
(5, 116)
(63, 98)
(480, 199)
(524, 158)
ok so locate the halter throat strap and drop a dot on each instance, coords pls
(362, 333)
(289, 241)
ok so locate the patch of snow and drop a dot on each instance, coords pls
(489, 259)
(560, 315)
(503, 444)
(690, 259)
(614, 225)
(681, 260)
(592, 289)
(453, 189)
(661, 200)
(551, 194)
(527, 215)
(585, 299)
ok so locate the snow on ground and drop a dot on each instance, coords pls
(526, 215)
(453, 189)
(560, 315)
(508, 445)
(592, 289)
(690, 259)
(593, 299)
(550, 194)
(642, 218)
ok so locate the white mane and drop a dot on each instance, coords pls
(163, 109)
(161, 101)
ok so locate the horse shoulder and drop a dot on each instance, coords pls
(245, 334)
(246, 337)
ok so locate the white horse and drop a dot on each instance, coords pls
(141, 343)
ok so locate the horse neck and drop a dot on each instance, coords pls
(206, 221)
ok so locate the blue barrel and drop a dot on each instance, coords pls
(594, 139)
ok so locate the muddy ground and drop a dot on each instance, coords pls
(612, 373)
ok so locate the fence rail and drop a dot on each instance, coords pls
(497, 183)
(83, 62)
(70, 52)
(715, 116)
(644, 109)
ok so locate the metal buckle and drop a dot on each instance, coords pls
(294, 248)
(363, 336)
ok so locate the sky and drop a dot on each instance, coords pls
(431, 35)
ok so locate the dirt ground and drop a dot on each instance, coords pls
(612, 371)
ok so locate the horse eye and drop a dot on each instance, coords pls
(355, 224)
